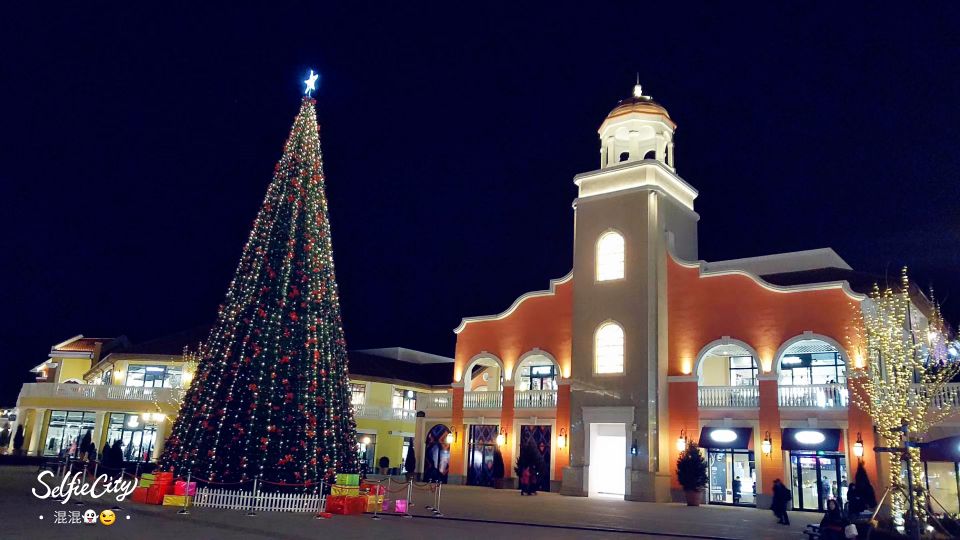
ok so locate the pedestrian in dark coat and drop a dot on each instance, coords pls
(832, 524)
(781, 496)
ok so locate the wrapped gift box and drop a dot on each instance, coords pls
(140, 495)
(184, 488)
(155, 494)
(336, 504)
(357, 505)
(148, 476)
(177, 500)
(164, 477)
(374, 503)
(351, 491)
(373, 489)
(400, 506)
(348, 479)
(144, 483)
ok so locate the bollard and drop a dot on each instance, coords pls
(409, 498)
(376, 498)
(186, 496)
(252, 497)
(117, 506)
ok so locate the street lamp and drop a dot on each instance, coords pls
(766, 446)
(682, 441)
(858, 446)
(562, 438)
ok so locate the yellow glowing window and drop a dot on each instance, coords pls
(609, 348)
(610, 257)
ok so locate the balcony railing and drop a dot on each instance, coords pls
(436, 401)
(100, 391)
(374, 412)
(482, 400)
(728, 397)
(814, 396)
(406, 415)
(947, 396)
(535, 399)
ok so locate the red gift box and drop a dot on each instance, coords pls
(337, 504)
(356, 505)
(155, 493)
(163, 477)
(183, 488)
(373, 489)
(140, 495)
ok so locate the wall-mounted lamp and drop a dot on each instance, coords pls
(562, 438)
(451, 437)
(633, 448)
(682, 441)
(501, 438)
(365, 440)
(858, 446)
(766, 446)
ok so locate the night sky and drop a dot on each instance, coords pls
(136, 147)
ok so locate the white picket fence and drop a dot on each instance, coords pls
(265, 502)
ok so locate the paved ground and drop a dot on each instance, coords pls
(468, 513)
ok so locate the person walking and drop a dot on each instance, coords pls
(737, 487)
(781, 496)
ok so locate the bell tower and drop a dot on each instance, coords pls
(628, 213)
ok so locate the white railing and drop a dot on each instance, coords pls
(406, 415)
(814, 396)
(728, 397)
(535, 399)
(436, 401)
(100, 391)
(947, 396)
(264, 502)
(361, 410)
(482, 400)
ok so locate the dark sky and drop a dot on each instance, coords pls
(136, 147)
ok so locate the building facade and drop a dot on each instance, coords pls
(132, 393)
(643, 347)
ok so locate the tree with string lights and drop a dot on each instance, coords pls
(270, 399)
(903, 375)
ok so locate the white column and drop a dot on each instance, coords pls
(35, 442)
(163, 429)
(13, 433)
(99, 428)
(670, 155)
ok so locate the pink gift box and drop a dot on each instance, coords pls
(399, 506)
(184, 488)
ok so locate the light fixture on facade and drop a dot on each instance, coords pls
(809, 437)
(858, 446)
(501, 438)
(633, 448)
(365, 440)
(562, 438)
(723, 435)
(682, 441)
(451, 437)
(766, 446)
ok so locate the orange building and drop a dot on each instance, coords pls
(643, 347)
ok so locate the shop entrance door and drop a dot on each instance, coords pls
(483, 444)
(817, 479)
(732, 477)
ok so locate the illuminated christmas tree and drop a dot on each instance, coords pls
(271, 399)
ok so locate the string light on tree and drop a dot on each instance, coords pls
(270, 398)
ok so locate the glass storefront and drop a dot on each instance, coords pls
(137, 438)
(366, 448)
(732, 476)
(154, 376)
(66, 429)
(816, 478)
(942, 478)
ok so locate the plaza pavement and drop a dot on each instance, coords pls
(469, 513)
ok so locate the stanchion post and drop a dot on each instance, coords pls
(136, 473)
(186, 495)
(252, 498)
(78, 502)
(439, 495)
(376, 497)
(321, 506)
(409, 498)
(122, 472)
(96, 467)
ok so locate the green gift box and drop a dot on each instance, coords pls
(348, 479)
(148, 476)
(144, 482)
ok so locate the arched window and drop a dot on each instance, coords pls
(652, 154)
(610, 256)
(609, 348)
(624, 156)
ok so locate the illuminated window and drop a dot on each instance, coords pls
(358, 394)
(610, 257)
(404, 399)
(609, 348)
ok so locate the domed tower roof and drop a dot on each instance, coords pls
(639, 103)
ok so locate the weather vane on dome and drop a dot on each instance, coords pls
(637, 89)
(311, 83)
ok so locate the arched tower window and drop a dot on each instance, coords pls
(624, 156)
(610, 256)
(608, 350)
(652, 154)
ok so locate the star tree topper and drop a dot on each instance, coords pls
(311, 83)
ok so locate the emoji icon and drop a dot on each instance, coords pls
(90, 516)
(107, 517)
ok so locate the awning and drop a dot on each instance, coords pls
(725, 437)
(811, 439)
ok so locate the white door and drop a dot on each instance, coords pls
(608, 459)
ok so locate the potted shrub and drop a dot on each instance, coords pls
(692, 473)
(498, 469)
(384, 464)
